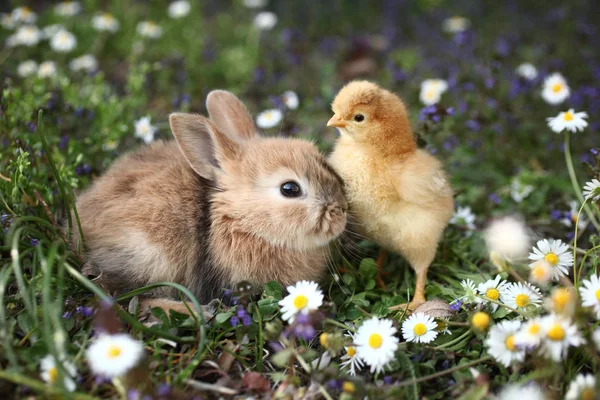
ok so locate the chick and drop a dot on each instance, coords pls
(399, 194)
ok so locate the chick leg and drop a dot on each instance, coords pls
(380, 261)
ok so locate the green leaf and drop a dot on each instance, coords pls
(282, 358)
(223, 317)
(274, 289)
(368, 269)
(476, 393)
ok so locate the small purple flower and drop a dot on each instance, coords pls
(334, 384)
(78, 112)
(234, 321)
(34, 242)
(276, 346)
(64, 141)
(4, 218)
(164, 389)
(445, 364)
(133, 394)
(594, 151)
(455, 306)
(556, 215)
(85, 311)
(303, 319)
(306, 332)
(241, 312)
(473, 125)
(67, 314)
(494, 198)
(247, 320)
(31, 126)
(387, 380)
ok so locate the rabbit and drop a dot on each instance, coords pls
(218, 205)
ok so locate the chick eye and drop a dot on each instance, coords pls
(290, 189)
(359, 118)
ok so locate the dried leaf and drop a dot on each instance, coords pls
(435, 309)
(256, 382)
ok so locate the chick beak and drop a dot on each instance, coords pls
(337, 122)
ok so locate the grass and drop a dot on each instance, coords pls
(59, 133)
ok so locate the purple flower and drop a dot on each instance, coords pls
(31, 126)
(334, 384)
(34, 242)
(64, 140)
(164, 389)
(473, 125)
(556, 214)
(241, 312)
(85, 311)
(247, 320)
(4, 218)
(306, 332)
(67, 314)
(455, 306)
(276, 346)
(133, 394)
(494, 198)
(234, 321)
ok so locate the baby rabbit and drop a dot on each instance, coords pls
(219, 205)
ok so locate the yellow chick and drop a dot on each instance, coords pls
(399, 194)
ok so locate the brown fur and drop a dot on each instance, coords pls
(400, 195)
(212, 216)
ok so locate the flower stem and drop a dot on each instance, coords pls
(501, 304)
(442, 373)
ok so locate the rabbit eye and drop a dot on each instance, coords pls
(291, 189)
(359, 118)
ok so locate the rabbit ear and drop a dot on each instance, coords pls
(230, 115)
(202, 144)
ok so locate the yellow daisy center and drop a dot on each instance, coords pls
(323, 339)
(351, 351)
(560, 299)
(534, 329)
(556, 333)
(349, 387)
(598, 294)
(52, 374)
(481, 320)
(420, 329)
(588, 394)
(375, 340)
(114, 351)
(510, 343)
(430, 94)
(568, 116)
(538, 272)
(300, 301)
(551, 259)
(107, 16)
(522, 300)
(493, 293)
(557, 87)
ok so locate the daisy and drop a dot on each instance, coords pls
(350, 360)
(114, 355)
(491, 289)
(304, 297)
(375, 343)
(508, 237)
(7, 22)
(570, 217)
(562, 301)
(591, 190)
(145, 130)
(179, 9)
(269, 118)
(569, 120)
(67, 8)
(420, 328)
(27, 35)
(290, 99)
(86, 62)
(47, 69)
(527, 71)
(105, 23)
(520, 191)
(529, 392)
(554, 252)
(51, 30)
(520, 295)
(432, 90)
(470, 295)
(63, 41)
(50, 372)
(255, 3)
(463, 216)
(23, 15)
(583, 387)
(265, 20)
(149, 29)
(530, 335)
(555, 89)
(541, 272)
(480, 321)
(456, 24)
(590, 293)
(560, 334)
(501, 343)
(27, 68)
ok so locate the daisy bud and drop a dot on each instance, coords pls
(349, 387)
(562, 302)
(323, 340)
(541, 272)
(480, 321)
(498, 261)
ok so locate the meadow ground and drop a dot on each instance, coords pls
(84, 82)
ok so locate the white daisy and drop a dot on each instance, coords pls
(555, 89)
(179, 9)
(470, 295)
(105, 23)
(560, 334)
(63, 41)
(583, 387)
(420, 328)
(530, 335)
(508, 237)
(145, 130)
(47, 69)
(590, 293)
(591, 190)
(7, 22)
(114, 355)
(541, 272)
(432, 90)
(527, 71)
(569, 120)
(149, 29)
(269, 118)
(23, 15)
(50, 372)
(456, 24)
(86, 62)
(67, 8)
(51, 30)
(554, 252)
(520, 191)
(530, 392)
(463, 216)
(290, 99)
(376, 343)
(350, 360)
(596, 338)
(255, 3)
(265, 20)
(304, 297)
(570, 217)
(491, 289)
(501, 343)
(27, 68)
(26, 35)
(520, 295)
